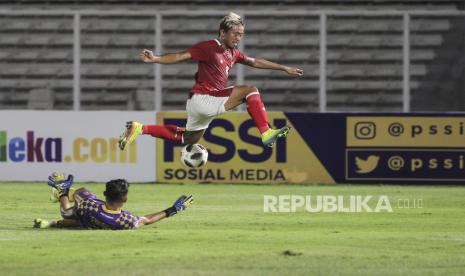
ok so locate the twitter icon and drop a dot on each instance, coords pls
(368, 165)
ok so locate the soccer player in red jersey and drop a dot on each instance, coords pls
(210, 96)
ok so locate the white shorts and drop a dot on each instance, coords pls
(202, 109)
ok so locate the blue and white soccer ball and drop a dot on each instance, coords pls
(194, 156)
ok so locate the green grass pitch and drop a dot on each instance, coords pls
(226, 232)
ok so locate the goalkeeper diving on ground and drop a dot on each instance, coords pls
(90, 212)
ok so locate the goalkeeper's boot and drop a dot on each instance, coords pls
(133, 129)
(41, 223)
(270, 136)
(55, 195)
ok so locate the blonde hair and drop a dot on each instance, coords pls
(229, 21)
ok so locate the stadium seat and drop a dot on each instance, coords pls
(8, 71)
(175, 24)
(107, 99)
(179, 84)
(56, 55)
(429, 25)
(426, 40)
(40, 99)
(145, 99)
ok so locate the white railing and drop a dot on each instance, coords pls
(158, 22)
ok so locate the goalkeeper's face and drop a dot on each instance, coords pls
(233, 36)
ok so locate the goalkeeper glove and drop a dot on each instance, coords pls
(59, 182)
(180, 205)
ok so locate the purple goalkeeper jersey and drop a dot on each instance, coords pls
(92, 213)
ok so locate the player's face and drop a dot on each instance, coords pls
(232, 37)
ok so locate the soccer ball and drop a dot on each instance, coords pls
(194, 156)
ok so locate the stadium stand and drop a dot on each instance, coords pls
(246, 5)
(443, 83)
(364, 55)
(365, 60)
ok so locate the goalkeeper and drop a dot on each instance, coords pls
(92, 213)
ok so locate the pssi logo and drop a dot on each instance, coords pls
(230, 147)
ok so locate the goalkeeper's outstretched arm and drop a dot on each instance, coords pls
(152, 218)
(180, 205)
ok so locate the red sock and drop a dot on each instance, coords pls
(257, 111)
(168, 132)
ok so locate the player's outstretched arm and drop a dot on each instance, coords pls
(152, 218)
(181, 204)
(266, 64)
(148, 56)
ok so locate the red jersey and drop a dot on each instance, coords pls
(214, 65)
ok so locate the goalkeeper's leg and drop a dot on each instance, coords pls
(66, 209)
(67, 213)
(63, 223)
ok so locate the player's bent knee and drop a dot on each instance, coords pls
(252, 89)
(255, 92)
(67, 213)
